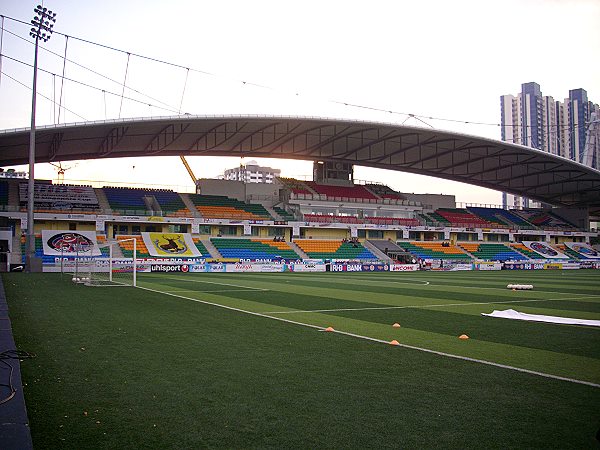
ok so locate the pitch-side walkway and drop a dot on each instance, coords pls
(14, 425)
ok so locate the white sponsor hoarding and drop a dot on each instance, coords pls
(404, 267)
(310, 267)
(249, 267)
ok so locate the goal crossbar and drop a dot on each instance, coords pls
(117, 265)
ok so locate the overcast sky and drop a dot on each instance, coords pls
(448, 60)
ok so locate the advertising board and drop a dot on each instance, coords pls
(404, 267)
(309, 267)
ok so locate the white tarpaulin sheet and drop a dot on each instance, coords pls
(512, 314)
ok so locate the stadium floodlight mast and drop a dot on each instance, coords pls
(43, 22)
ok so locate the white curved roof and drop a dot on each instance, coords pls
(469, 159)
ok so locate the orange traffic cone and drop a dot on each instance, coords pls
(396, 325)
(394, 342)
(463, 337)
(329, 329)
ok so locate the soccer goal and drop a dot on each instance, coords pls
(115, 267)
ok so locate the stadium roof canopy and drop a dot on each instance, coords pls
(469, 159)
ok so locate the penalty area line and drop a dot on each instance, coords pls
(215, 282)
(367, 338)
(213, 292)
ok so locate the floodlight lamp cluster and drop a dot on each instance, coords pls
(42, 23)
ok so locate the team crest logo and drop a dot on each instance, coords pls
(171, 244)
(70, 243)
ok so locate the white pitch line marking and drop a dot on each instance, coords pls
(214, 292)
(362, 280)
(215, 282)
(423, 306)
(358, 336)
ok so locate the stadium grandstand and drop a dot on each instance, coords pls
(322, 220)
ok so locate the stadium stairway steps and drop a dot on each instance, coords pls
(298, 250)
(13, 195)
(378, 253)
(308, 188)
(117, 252)
(193, 211)
(471, 255)
(102, 200)
(152, 205)
(214, 253)
(16, 256)
(272, 213)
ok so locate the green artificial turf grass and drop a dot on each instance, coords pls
(209, 377)
(343, 301)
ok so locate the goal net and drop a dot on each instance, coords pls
(115, 267)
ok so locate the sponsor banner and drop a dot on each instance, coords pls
(375, 267)
(553, 266)
(197, 268)
(124, 265)
(170, 268)
(173, 260)
(571, 265)
(309, 261)
(215, 267)
(70, 243)
(589, 264)
(346, 267)
(260, 260)
(250, 267)
(544, 249)
(450, 266)
(488, 266)
(170, 244)
(461, 266)
(206, 267)
(583, 249)
(523, 266)
(310, 267)
(404, 267)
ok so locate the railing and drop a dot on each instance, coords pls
(374, 201)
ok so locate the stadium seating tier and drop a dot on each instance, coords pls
(253, 249)
(433, 250)
(220, 206)
(334, 249)
(491, 252)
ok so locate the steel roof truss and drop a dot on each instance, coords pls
(111, 140)
(165, 137)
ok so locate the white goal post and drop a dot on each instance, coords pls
(115, 267)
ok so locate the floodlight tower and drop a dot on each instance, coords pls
(42, 22)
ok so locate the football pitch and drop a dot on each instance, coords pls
(243, 361)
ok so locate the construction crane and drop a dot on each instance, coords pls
(191, 172)
(60, 177)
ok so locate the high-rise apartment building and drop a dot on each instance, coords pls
(252, 173)
(540, 122)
